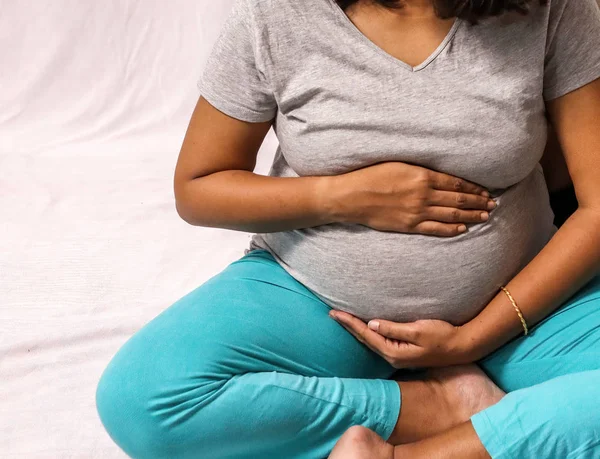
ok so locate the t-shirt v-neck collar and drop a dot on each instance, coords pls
(361, 36)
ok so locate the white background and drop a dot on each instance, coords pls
(95, 98)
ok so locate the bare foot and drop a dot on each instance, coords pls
(445, 398)
(361, 443)
(467, 389)
(460, 442)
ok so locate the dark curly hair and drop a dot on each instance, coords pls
(471, 10)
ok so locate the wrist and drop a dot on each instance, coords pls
(466, 345)
(333, 193)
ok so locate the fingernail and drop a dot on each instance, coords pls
(485, 193)
(462, 228)
(332, 315)
(485, 216)
(374, 325)
(491, 205)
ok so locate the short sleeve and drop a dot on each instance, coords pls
(233, 79)
(572, 47)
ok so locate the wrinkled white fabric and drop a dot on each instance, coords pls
(94, 102)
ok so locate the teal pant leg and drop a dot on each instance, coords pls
(552, 376)
(557, 419)
(248, 365)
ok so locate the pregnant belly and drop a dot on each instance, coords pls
(406, 277)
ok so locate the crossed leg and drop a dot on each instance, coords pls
(250, 365)
(552, 409)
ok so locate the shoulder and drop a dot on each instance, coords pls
(568, 16)
(537, 25)
(282, 13)
(560, 5)
(270, 7)
(572, 8)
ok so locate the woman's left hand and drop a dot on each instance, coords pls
(424, 343)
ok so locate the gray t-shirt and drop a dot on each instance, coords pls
(474, 109)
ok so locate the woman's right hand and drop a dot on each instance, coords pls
(395, 196)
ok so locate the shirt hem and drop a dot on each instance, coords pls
(579, 80)
(235, 111)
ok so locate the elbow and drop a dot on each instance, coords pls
(182, 205)
(182, 211)
(192, 207)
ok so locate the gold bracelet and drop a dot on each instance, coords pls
(514, 303)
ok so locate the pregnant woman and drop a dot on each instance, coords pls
(406, 198)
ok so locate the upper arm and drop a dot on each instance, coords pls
(554, 166)
(572, 91)
(576, 120)
(237, 104)
(215, 142)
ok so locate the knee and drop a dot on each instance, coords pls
(359, 435)
(155, 396)
(144, 411)
(359, 442)
(122, 409)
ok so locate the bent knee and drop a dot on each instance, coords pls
(359, 442)
(146, 412)
(123, 410)
(360, 434)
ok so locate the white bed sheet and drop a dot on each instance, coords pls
(95, 98)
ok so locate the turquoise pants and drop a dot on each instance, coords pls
(250, 365)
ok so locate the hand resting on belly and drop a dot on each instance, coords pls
(395, 196)
(368, 263)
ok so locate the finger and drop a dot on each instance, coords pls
(407, 332)
(361, 332)
(460, 200)
(447, 182)
(399, 354)
(432, 228)
(374, 348)
(450, 215)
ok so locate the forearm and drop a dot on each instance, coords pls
(245, 201)
(569, 261)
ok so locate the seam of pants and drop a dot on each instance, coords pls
(285, 287)
(384, 428)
